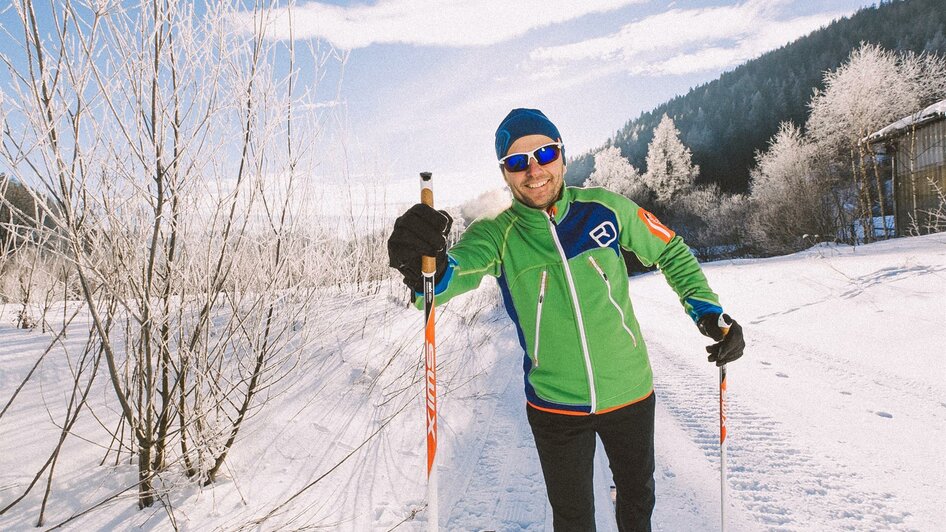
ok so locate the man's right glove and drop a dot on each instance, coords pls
(421, 231)
(730, 344)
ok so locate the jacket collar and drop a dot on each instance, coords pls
(557, 211)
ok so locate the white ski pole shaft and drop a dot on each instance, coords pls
(723, 486)
(429, 270)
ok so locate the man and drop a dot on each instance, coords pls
(556, 253)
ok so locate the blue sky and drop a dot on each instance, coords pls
(427, 81)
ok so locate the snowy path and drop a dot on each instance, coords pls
(837, 414)
(770, 469)
(838, 411)
(496, 482)
(494, 477)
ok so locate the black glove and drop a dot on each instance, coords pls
(421, 231)
(729, 344)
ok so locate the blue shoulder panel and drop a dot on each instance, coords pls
(588, 226)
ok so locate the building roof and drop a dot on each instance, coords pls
(937, 111)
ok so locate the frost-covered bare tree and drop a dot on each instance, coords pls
(711, 221)
(670, 168)
(789, 199)
(871, 89)
(175, 148)
(614, 172)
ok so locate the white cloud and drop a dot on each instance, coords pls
(424, 22)
(685, 41)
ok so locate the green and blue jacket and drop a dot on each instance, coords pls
(565, 285)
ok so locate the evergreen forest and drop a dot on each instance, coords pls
(726, 121)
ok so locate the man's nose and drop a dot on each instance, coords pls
(534, 166)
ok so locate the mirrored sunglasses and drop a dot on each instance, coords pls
(517, 162)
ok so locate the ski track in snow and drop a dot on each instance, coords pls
(499, 486)
(491, 480)
(767, 472)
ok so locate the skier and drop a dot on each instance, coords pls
(556, 253)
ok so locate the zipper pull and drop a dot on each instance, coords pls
(594, 264)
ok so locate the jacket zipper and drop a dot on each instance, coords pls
(581, 322)
(538, 317)
(607, 283)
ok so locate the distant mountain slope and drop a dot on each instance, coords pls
(726, 120)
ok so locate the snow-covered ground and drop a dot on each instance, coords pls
(837, 414)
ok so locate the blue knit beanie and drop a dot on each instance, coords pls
(521, 122)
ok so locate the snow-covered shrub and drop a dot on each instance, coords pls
(788, 196)
(711, 222)
(182, 210)
(34, 279)
(615, 173)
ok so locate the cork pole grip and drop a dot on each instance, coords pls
(428, 264)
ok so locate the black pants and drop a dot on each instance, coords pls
(566, 446)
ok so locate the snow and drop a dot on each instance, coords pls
(837, 414)
(934, 111)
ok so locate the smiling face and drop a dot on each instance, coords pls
(537, 186)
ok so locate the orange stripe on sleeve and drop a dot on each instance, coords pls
(658, 229)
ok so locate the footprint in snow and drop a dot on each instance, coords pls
(764, 363)
(845, 393)
(782, 375)
(884, 414)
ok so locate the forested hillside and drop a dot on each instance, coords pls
(724, 122)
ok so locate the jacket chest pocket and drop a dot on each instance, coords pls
(543, 281)
(607, 283)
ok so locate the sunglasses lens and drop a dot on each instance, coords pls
(520, 161)
(546, 154)
(516, 163)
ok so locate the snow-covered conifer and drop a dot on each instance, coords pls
(670, 168)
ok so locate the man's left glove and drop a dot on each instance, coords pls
(421, 231)
(728, 335)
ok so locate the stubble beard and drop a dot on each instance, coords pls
(520, 195)
(555, 197)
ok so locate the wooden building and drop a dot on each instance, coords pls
(916, 145)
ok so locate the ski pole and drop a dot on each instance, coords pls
(429, 270)
(723, 488)
(722, 447)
